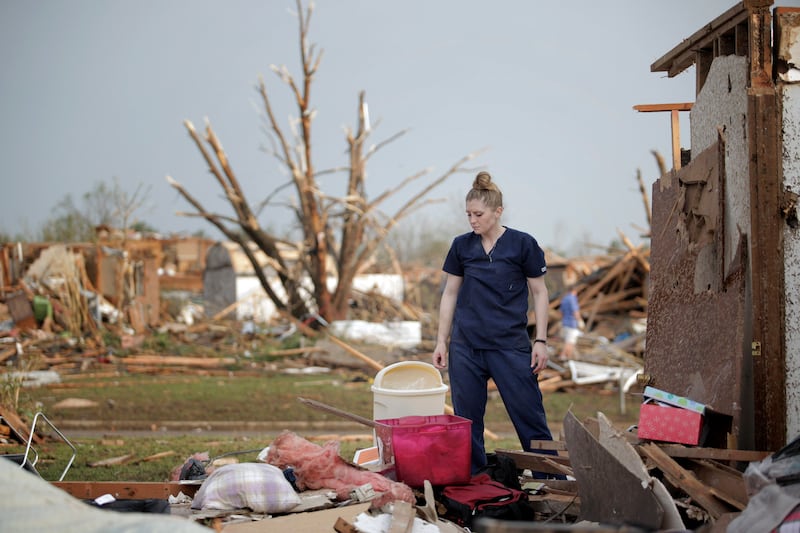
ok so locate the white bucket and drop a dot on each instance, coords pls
(408, 388)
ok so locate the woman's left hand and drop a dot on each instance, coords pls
(539, 357)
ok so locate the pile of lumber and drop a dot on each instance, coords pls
(656, 485)
(612, 295)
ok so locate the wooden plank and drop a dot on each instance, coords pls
(553, 386)
(560, 486)
(297, 351)
(182, 282)
(338, 412)
(682, 56)
(132, 490)
(686, 481)
(716, 454)
(8, 353)
(675, 127)
(18, 426)
(727, 483)
(120, 460)
(538, 462)
(555, 445)
(203, 362)
(492, 525)
(375, 365)
(611, 273)
(654, 108)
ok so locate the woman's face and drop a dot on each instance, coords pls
(482, 219)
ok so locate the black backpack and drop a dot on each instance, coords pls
(501, 468)
(484, 497)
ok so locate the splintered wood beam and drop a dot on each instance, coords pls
(716, 454)
(539, 462)
(726, 482)
(612, 273)
(619, 302)
(686, 481)
(375, 365)
(338, 412)
(636, 251)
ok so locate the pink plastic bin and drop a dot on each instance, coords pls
(437, 448)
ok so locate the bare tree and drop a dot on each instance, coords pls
(104, 205)
(339, 234)
(126, 204)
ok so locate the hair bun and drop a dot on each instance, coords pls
(483, 181)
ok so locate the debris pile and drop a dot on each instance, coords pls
(134, 306)
(657, 485)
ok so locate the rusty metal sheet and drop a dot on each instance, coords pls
(696, 307)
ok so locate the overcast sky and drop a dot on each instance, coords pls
(95, 90)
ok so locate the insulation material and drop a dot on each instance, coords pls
(721, 110)
(318, 467)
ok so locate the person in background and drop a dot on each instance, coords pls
(570, 323)
(490, 273)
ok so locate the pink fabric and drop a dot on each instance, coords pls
(318, 467)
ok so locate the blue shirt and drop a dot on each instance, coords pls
(492, 306)
(569, 304)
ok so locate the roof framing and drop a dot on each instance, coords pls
(725, 35)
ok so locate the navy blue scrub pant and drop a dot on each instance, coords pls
(469, 372)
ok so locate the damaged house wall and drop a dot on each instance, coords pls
(696, 318)
(722, 329)
(789, 60)
(791, 161)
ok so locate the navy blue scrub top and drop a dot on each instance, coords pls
(492, 306)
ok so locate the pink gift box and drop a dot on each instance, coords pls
(670, 424)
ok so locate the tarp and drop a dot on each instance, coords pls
(32, 504)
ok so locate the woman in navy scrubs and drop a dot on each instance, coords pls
(484, 312)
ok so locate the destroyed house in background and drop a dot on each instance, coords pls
(230, 282)
(146, 283)
(612, 294)
(112, 280)
(139, 277)
(723, 323)
(86, 279)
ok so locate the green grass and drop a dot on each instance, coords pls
(147, 399)
(270, 399)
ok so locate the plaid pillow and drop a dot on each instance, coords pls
(260, 487)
